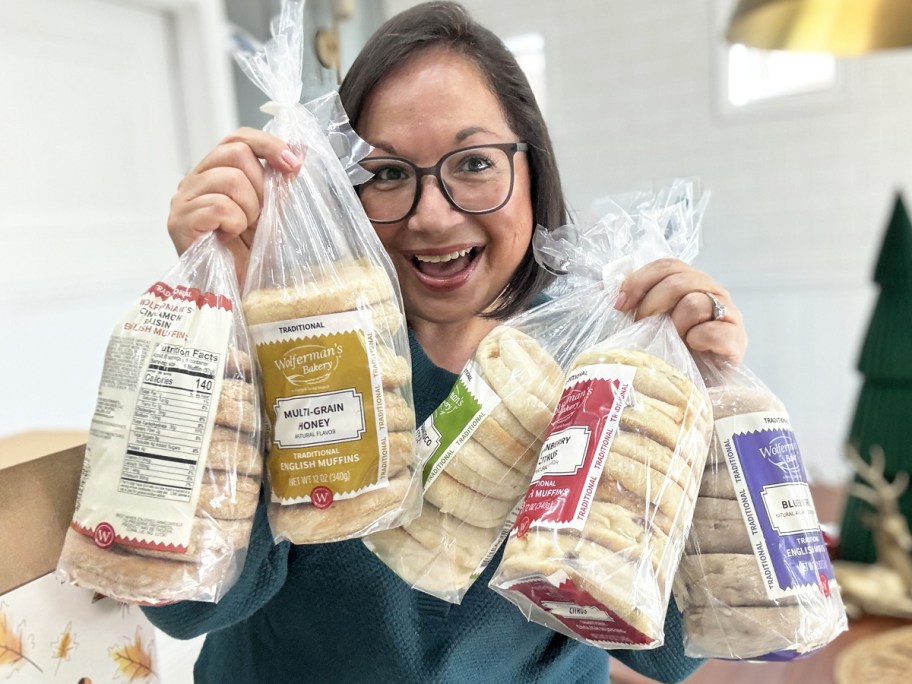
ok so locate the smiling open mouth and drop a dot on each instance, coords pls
(444, 265)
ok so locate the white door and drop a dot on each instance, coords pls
(104, 106)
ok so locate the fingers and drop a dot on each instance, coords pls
(250, 144)
(696, 308)
(659, 285)
(219, 199)
(214, 212)
(673, 287)
(693, 319)
(722, 338)
(223, 198)
(225, 190)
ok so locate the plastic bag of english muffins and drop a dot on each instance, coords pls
(597, 540)
(173, 462)
(755, 581)
(325, 314)
(479, 450)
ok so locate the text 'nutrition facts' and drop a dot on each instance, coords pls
(169, 424)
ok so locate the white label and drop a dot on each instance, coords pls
(564, 452)
(571, 610)
(428, 440)
(153, 419)
(319, 419)
(790, 508)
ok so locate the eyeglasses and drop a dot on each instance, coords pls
(475, 180)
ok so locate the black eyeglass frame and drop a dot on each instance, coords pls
(420, 172)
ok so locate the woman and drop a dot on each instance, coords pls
(428, 83)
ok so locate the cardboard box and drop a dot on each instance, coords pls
(51, 631)
(54, 632)
(39, 476)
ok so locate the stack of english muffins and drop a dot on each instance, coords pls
(469, 501)
(628, 549)
(228, 495)
(347, 285)
(720, 587)
(339, 287)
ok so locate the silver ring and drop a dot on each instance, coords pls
(718, 307)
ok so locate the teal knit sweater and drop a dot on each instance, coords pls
(334, 613)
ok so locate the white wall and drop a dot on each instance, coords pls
(108, 102)
(801, 192)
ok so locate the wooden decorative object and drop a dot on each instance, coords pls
(885, 587)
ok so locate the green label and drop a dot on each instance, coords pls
(470, 401)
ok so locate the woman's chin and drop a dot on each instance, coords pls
(453, 308)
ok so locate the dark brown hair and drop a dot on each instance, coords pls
(448, 25)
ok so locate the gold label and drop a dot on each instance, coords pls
(320, 379)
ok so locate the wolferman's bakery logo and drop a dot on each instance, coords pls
(567, 408)
(309, 363)
(450, 404)
(782, 453)
(104, 535)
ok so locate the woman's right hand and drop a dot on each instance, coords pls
(225, 192)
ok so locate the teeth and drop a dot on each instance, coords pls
(438, 258)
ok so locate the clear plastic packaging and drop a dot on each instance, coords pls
(596, 543)
(755, 581)
(478, 451)
(173, 463)
(325, 313)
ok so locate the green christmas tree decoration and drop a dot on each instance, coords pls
(883, 415)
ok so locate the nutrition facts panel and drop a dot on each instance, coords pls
(173, 409)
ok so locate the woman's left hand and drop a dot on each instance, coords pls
(673, 287)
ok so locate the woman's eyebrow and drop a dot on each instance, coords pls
(460, 136)
(385, 146)
(470, 131)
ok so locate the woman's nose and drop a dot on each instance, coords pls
(433, 211)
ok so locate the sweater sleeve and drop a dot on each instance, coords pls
(668, 662)
(264, 572)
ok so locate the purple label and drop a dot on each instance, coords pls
(782, 656)
(771, 487)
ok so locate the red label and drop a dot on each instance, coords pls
(322, 497)
(190, 294)
(581, 613)
(161, 290)
(573, 454)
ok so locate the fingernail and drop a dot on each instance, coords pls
(290, 158)
(620, 301)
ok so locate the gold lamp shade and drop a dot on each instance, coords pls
(843, 27)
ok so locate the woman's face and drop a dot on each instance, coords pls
(451, 265)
